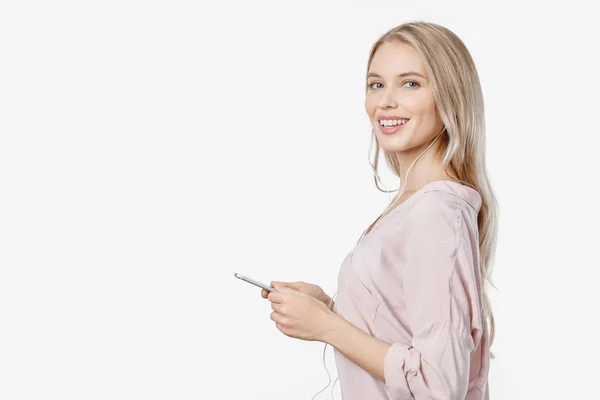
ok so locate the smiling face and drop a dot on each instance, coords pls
(398, 89)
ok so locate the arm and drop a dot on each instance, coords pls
(438, 275)
(358, 346)
(398, 365)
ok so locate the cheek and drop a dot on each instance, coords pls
(424, 105)
(429, 108)
(370, 105)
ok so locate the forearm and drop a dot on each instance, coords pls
(358, 346)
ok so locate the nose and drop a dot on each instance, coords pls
(387, 100)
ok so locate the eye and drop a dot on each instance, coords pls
(374, 83)
(416, 83)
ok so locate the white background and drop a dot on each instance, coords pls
(150, 149)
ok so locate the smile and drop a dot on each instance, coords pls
(390, 126)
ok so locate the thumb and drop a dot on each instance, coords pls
(282, 288)
(293, 285)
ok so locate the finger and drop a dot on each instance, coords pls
(275, 316)
(276, 297)
(264, 293)
(277, 308)
(279, 288)
(294, 285)
(283, 329)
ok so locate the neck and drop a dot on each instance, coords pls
(428, 167)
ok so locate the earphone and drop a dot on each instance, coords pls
(363, 234)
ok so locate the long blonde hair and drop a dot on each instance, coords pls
(459, 100)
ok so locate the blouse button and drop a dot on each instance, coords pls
(414, 372)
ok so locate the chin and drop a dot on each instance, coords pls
(393, 149)
(391, 144)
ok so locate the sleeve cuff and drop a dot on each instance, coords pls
(401, 362)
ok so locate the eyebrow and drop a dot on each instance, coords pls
(402, 75)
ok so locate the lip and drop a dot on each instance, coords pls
(380, 117)
(391, 130)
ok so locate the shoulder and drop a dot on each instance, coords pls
(438, 204)
(433, 214)
(440, 214)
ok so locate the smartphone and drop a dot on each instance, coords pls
(252, 281)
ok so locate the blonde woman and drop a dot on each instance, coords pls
(411, 317)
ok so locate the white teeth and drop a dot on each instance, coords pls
(392, 122)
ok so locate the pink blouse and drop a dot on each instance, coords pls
(414, 282)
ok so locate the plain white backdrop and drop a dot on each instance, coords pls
(149, 150)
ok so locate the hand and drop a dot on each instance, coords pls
(299, 315)
(302, 287)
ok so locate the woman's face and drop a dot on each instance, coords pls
(397, 88)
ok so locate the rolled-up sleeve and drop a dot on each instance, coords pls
(438, 289)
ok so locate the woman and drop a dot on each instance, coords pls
(411, 317)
